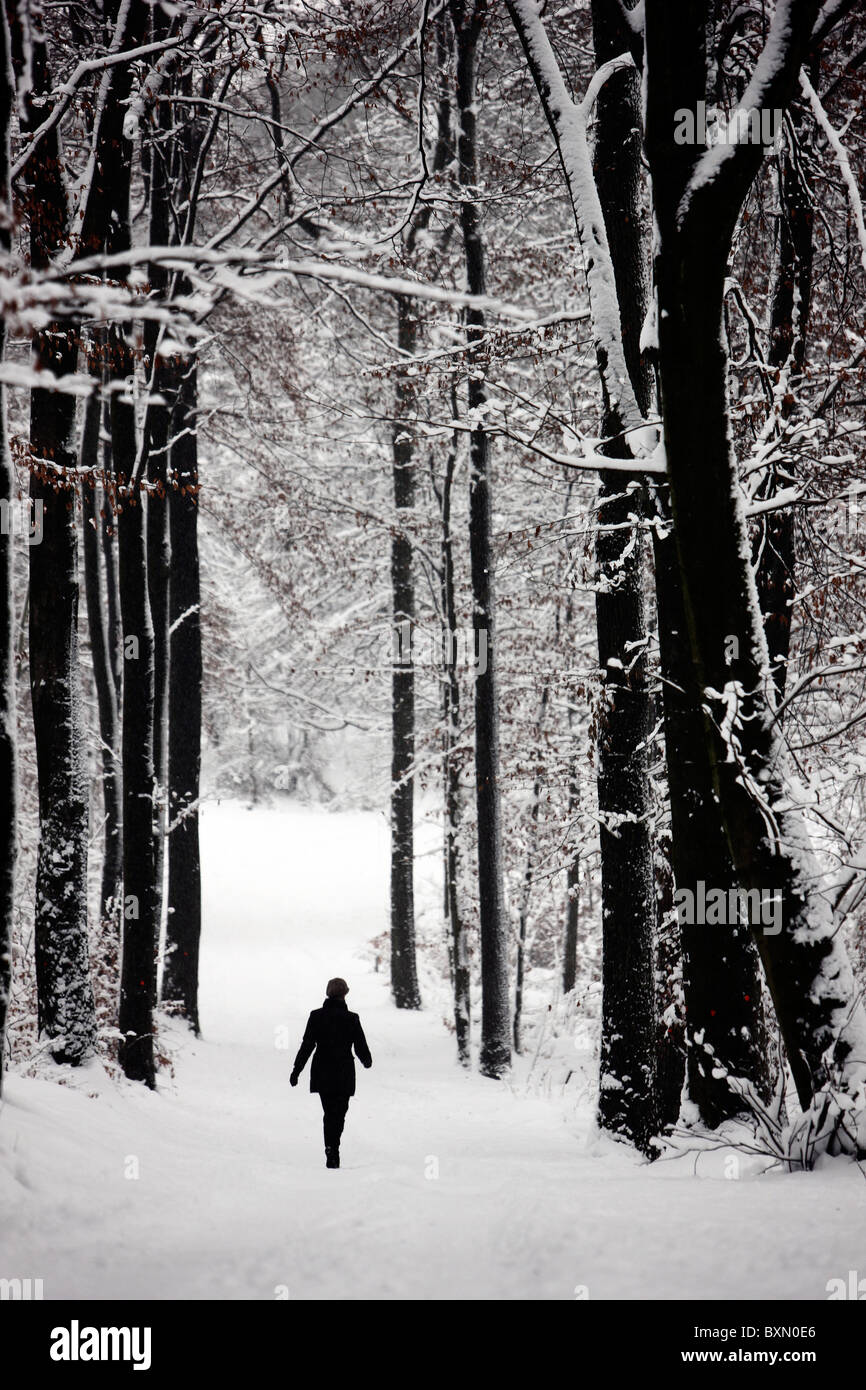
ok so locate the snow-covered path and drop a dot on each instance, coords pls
(452, 1186)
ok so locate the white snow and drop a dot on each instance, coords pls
(233, 1200)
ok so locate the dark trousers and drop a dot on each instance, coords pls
(334, 1107)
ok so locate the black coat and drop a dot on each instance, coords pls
(333, 1032)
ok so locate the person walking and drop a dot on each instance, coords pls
(330, 1035)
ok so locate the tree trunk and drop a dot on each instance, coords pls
(157, 513)
(103, 678)
(627, 1084)
(66, 1013)
(183, 926)
(528, 879)
(109, 559)
(572, 878)
(157, 551)
(8, 783)
(572, 905)
(140, 923)
(806, 965)
(721, 980)
(616, 281)
(453, 798)
(670, 1026)
(138, 970)
(404, 981)
(725, 1029)
(495, 1057)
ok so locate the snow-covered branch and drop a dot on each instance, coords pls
(842, 159)
(725, 170)
(67, 90)
(568, 125)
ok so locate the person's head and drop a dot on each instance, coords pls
(337, 989)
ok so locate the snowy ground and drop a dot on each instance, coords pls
(452, 1186)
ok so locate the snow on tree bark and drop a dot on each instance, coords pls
(156, 446)
(404, 979)
(452, 792)
(8, 783)
(725, 1031)
(697, 195)
(183, 918)
(111, 215)
(720, 970)
(468, 17)
(605, 206)
(66, 1013)
(627, 1064)
(183, 924)
(103, 678)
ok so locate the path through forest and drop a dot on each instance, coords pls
(452, 1186)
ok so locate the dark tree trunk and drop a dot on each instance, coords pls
(140, 923)
(183, 927)
(108, 537)
(156, 447)
(670, 1029)
(458, 953)
(528, 879)
(103, 678)
(725, 1029)
(183, 923)
(721, 980)
(404, 980)
(8, 785)
(66, 1012)
(806, 965)
(626, 1097)
(572, 878)
(495, 1057)
(572, 904)
(627, 1084)
(138, 971)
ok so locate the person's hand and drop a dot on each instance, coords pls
(293, 1079)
